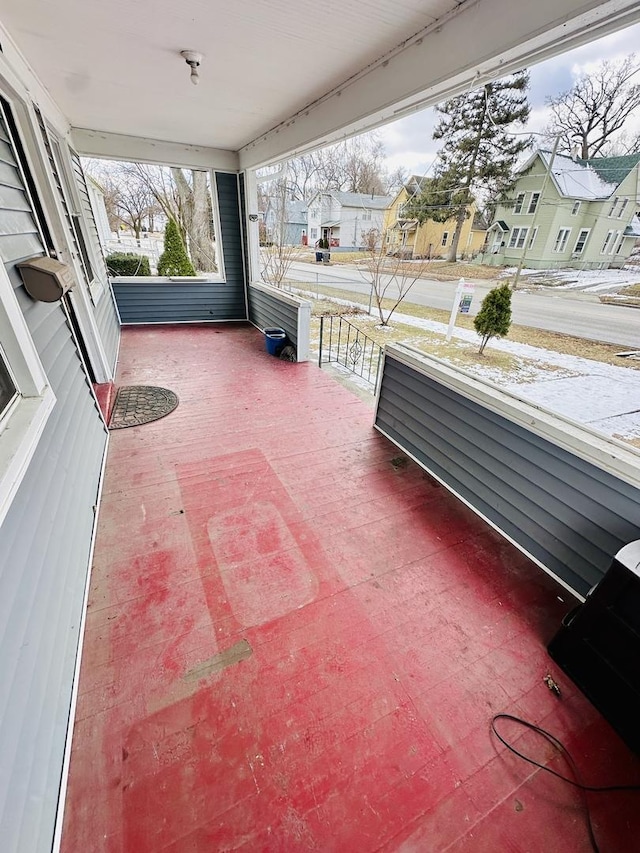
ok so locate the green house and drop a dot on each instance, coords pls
(586, 217)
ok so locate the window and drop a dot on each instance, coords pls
(519, 203)
(314, 213)
(607, 242)
(366, 216)
(533, 204)
(518, 237)
(623, 207)
(581, 241)
(186, 198)
(26, 400)
(562, 239)
(313, 233)
(445, 237)
(614, 204)
(534, 234)
(576, 208)
(617, 243)
(8, 388)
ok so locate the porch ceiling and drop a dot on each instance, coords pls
(116, 67)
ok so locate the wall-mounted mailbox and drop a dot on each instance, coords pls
(46, 279)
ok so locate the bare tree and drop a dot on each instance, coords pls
(182, 195)
(277, 258)
(353, 165)
(596, 107)
(390, 278)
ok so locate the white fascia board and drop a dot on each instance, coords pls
(610, 455)
(477, 42)
(118, 146)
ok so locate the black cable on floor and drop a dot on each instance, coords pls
(576, 782)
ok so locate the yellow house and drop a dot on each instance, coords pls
(430, 239)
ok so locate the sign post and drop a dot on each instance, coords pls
(461, 302)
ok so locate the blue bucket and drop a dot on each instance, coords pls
(275, 339)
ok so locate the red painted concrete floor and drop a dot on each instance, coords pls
(297, 642)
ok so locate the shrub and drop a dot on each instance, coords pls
(493, 320)
(127, 263)
(174, 260)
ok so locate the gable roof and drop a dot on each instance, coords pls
(613, 170)
(597, 178)
(364, 200)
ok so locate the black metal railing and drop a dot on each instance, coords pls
(343, 343)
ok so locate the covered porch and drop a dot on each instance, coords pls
(296, 639)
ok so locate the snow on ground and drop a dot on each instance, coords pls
(603, 396)
(593, 281)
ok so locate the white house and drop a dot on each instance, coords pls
(344, 218)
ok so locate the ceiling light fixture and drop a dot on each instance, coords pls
(193, 60)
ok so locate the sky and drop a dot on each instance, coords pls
(408, 142)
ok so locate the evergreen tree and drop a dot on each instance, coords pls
(174, 260)
(478, 153)
(493, 320)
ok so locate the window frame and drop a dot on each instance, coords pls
(518, 204)
(533, 205)
(24, 420)
(575, 210)
(616, 245)
(614, 204)
(608, 239)
(562, 240)
(623, 207)
(518, 238)
(218, 277)
(586, 232)
(532, 238)
(445, 239)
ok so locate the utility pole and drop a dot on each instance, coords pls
(535, 213)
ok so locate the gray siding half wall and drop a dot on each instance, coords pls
(162, 301)
(45, 544)
(270, 307)
(569, 514)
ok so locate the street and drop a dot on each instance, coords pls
(569, 312)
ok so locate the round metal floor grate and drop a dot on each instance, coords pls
(141, 404)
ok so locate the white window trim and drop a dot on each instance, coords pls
(586, 231)
(575, 210)
(532, 239)
(445, 238)
(522, 196)
(518, 238)
(560, 246)
(25, 422)
(529, 210)
(605, 245)
(614, 204)
(616, 245)
(623, 207)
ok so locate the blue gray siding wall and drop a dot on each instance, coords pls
(567, 513)
(45, 542)
(267, 310)
(175, 302)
